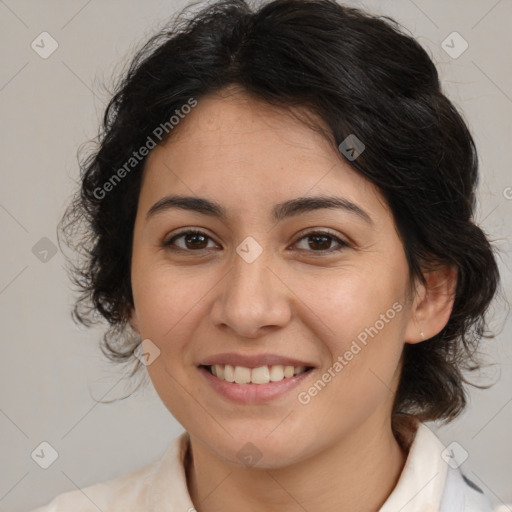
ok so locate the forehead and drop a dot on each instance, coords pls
(247, 153)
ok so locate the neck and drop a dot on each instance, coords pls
(357, 474)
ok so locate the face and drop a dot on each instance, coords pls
(304, 284)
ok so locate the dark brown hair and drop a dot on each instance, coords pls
(362, 75)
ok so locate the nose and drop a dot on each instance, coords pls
(252, 300)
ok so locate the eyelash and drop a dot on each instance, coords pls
(342, 244)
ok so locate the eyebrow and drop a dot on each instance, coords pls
(281, 211)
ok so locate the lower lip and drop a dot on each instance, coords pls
(253, 393)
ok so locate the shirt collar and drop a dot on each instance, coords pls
(421, 483)
(419, 488)
(168, 491)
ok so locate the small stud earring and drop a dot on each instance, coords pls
(422, 334)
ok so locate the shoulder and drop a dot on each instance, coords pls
(431, 476)
(137, 490)
(461, 494)
(117, 494)
(474, 498)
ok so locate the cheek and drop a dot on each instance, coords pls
(355, 300)
(363, 317)
(165, 297)
(169, 303)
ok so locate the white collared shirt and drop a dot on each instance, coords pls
(427, 484)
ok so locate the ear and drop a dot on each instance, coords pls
(432, 304)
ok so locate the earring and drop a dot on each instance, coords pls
(422, 334)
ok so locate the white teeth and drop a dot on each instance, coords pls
(219, 371)
(260, 375)
(276, 373)
(288, 372)
(229, 373)
(242, 375)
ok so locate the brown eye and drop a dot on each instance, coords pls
(192, 241)
(320, 241)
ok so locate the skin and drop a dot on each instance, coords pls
(295, 299)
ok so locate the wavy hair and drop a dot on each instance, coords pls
(361, 74)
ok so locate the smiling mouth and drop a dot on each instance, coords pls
(260, 375)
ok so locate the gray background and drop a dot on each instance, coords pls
(51, 372)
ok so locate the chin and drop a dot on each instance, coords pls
(259, 450)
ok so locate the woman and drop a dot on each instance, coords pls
(281, 210)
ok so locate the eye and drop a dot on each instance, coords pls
(322, 240)
(193, 240)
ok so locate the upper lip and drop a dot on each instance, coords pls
(253, 361)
